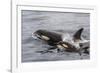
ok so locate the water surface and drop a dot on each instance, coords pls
(63, 22)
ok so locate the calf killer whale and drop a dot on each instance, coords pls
(56, 41)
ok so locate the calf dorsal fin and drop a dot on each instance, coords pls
(77, 35)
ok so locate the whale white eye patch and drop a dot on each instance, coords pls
(59, 46)
(65, 45)
(45, 37)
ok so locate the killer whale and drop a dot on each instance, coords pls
(50, 37)
(56, 41)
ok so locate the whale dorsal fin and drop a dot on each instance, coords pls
(77, 35)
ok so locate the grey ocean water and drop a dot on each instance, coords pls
(63, 22)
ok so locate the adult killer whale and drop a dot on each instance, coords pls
(56, 41)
